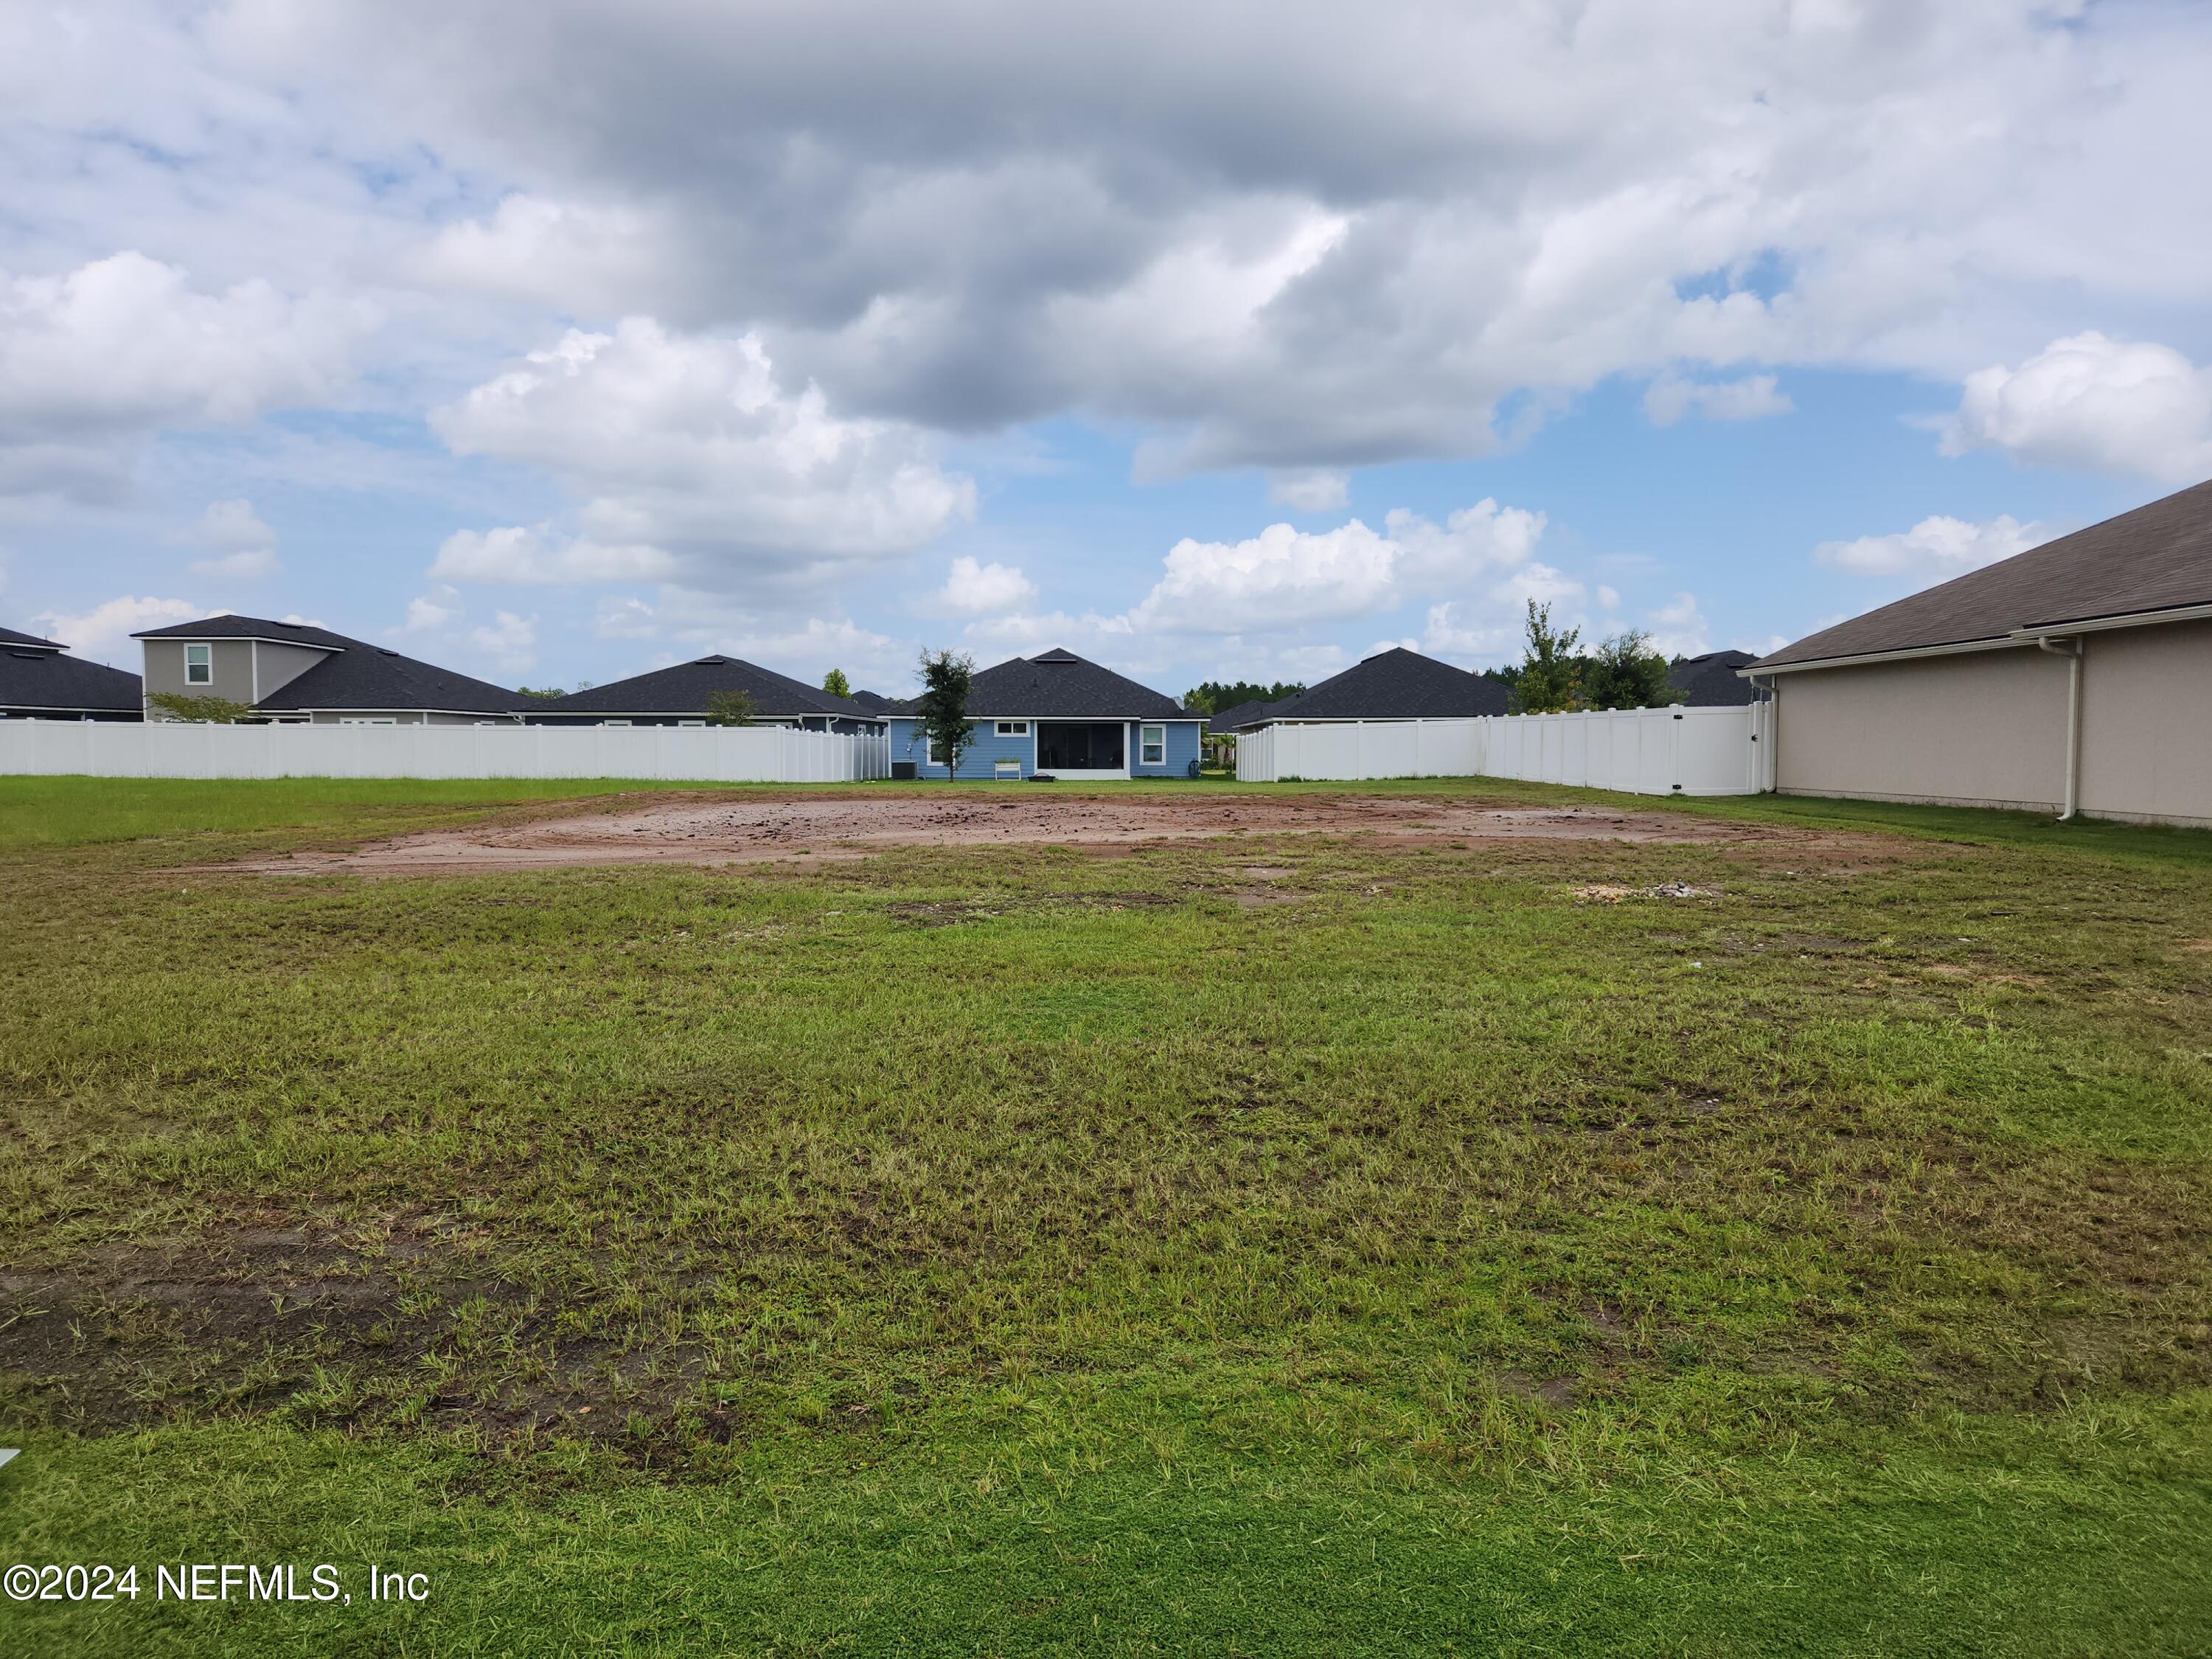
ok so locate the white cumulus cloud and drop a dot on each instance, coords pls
(1669, 398)
(508, 641)
(1285, 577)
(2093, 403)
(625, 619)
(96, 358)
(1935, 550)
(690, 459)
(972, 587)
(242, 546)
(519, 556)
(1310, 489)
(103, 633)
(1678, 628)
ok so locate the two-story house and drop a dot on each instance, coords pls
(295, 672)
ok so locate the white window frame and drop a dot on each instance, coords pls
(690, 722)
(202, 671)
(934, 749)
(367, 720)
(1146, 743)
(1013, 728)
(614, 722)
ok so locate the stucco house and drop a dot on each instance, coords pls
(1057, 715)
(2073, 678)
(1396, 684)
(296, 673)
(40, 680)
(682, 695)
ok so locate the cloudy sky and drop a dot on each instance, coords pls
(556, 341)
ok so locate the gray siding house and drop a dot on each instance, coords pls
(40, 680)
(291, 672)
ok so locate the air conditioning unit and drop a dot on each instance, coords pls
(903, 772)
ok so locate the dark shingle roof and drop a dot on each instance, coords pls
(8, 636)
(1711, 680)
(2155, 558)
(1239, 716)
(876, 702)
(369, 676)
(1396, 684)
(253, 628)
(43, 677)
(1060, 685)
(685, 687)
(357, 675)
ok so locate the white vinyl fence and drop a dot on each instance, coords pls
(755, 754)
(1643, 751)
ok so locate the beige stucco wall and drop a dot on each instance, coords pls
(1988, 728)
(2147, 723)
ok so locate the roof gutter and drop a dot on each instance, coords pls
(2013, 640)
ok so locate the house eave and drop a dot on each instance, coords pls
(2012, 641)
(237, 639)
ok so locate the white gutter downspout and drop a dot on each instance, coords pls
(2072, 652)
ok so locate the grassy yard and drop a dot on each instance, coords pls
(1268, 1245)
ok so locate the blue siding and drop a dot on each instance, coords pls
(979, 761)
(1182, 749)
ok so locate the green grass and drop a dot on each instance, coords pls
(1027, 1250)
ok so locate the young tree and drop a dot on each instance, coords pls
(942, 707)
(1625, 672)
(1550, 678)
(203, 711)
(732, 708)
(836, 684)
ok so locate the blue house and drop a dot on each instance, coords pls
(1057, 715)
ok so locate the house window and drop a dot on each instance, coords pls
(614, 722)
(690, 722)
(199, 664)
(936, 752)
(1152, 746)
(1013, 728)
(373, 720)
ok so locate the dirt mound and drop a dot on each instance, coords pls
(757, 828)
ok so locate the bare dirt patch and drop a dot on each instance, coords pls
(830, 826)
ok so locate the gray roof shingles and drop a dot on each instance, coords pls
(228, 627)
(1711, 680)
(1237, 716)
(357, 675)
(1396, 684)
(36, 676)
(1057, 685)
(2157, 557)
(685, 687)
